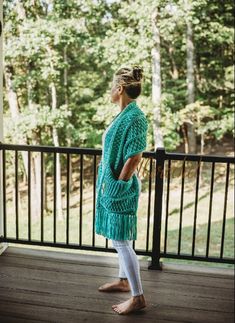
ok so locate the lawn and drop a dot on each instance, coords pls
(174, 207)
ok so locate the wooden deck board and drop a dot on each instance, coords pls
(50, 286)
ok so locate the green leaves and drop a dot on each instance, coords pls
(77, 46)
(40, 117)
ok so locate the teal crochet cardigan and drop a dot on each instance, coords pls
(116, 199)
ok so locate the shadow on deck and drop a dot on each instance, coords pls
(51, 286)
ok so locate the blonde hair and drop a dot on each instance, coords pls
(130, 78)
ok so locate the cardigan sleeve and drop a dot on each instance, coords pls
(136, 138)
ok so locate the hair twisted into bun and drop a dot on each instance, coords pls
(130, 79)
(137, 72)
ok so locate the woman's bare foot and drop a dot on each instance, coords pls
(133, 304)
(116, 286)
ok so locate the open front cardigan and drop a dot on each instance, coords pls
(116, 199)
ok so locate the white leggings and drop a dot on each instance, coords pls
(129, 265)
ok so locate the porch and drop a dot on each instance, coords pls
(176, 220)
(30, 291)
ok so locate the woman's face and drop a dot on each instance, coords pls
(116, 91)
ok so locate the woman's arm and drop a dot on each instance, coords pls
(129, 167)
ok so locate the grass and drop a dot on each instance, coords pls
(188, 212)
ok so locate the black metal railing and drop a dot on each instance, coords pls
(153, 172)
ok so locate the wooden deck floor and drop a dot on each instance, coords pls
(50, 286)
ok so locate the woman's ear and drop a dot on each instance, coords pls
(120, 89)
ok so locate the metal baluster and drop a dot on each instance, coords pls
(181, 206)
(195, 209)
(225, 209)
(210, 209)
(167, 204)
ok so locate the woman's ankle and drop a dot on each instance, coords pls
(137, 297)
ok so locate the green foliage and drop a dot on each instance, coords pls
(222, 126)
(170, 122)
(40, 117)
(74, 47)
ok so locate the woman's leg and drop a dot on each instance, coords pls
(122, 273)
(121, 270)
(130, 264)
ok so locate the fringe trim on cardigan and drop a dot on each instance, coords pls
(116, 226)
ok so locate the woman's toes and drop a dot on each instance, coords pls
(101, 287)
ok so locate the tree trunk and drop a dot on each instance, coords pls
(36, 160)
(66, 76)
(58, 168)
(14, 109)
(67, 103)
(15, 113)
(174, 70)
(36, 179)
(192, 146)
(202, 144)
(55, 137)
(156, 83)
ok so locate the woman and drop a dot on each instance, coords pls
(118, 186)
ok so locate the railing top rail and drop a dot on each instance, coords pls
(51, 149)
(199, 157)
(98, 151)
(71, 150)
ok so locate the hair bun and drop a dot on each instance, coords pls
(137, 72)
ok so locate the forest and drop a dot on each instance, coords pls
(60, 57)
(59, 60)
